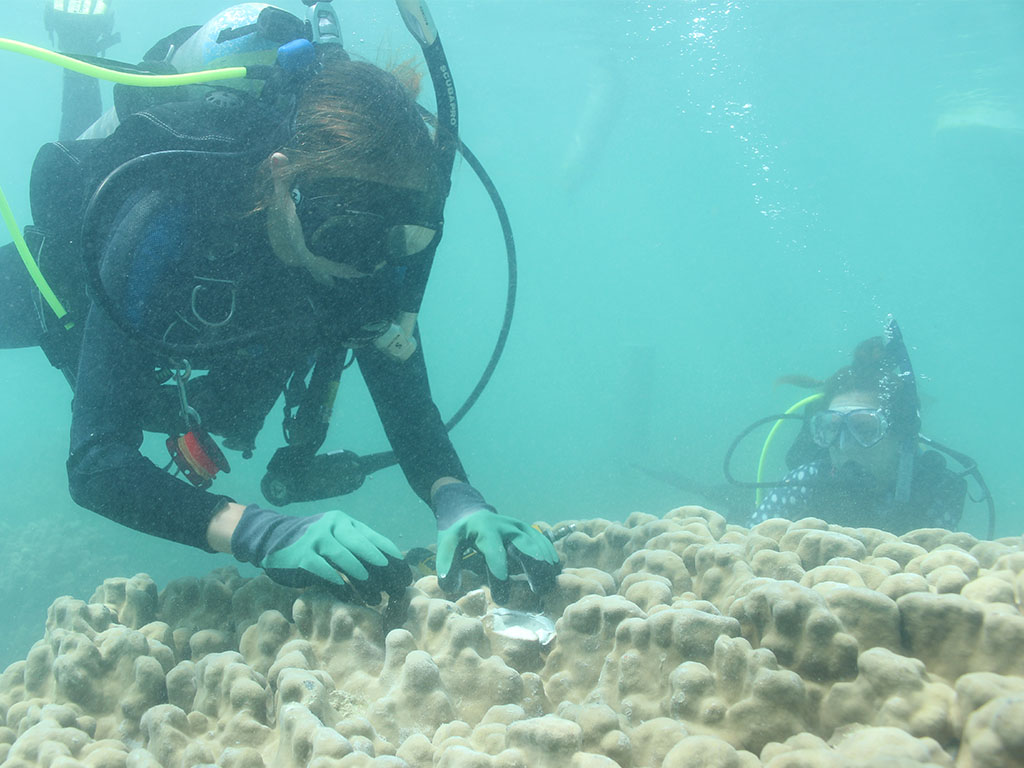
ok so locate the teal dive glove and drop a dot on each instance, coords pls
(465, 520)
(321, 549)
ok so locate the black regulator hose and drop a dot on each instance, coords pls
(374, 461)
(727, 462)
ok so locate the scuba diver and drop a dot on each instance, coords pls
(269, 231)
(857, 461)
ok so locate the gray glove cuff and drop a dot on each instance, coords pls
(262, 531)
(454, 501)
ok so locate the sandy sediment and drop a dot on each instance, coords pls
(681, 641)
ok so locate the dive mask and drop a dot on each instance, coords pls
(865, 425)
(372, 226)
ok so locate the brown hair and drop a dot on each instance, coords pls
(358, 120)
(875, 371)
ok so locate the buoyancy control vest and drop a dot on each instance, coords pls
(196, 148)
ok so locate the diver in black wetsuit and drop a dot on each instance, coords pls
(857, 457)
(263, 274)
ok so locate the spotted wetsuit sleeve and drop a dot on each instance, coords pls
(792, 498)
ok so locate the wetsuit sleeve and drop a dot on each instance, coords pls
(401, 393)
(792, 498)
(106, 472)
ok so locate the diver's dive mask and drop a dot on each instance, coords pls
(867, 426)
(369, 226)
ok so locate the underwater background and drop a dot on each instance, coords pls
(706, 196)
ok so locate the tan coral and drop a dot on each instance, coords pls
(659, 562)
(993, 737)
(603, 731)
(741, 696)
(545, 742)
(654, 739)
(817, 547)
(682, 640)
(708, 752)
(586, 635)
(994, 587)
(926, 538)
(573, 584)
(795, 624)
(416, 700)
(134, 600)
(872, 618)
(779, 566)
(606, 545)
(633, 678)
(900, 551)
(987, 552)
(899, 584)
(892, 690)
(647, 590)
(832, 574)
(954, 635)
(115, 675)
(720, 572)
(976, 689)
(857, 748)
(462, 652)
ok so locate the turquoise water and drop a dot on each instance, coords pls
(706, 196)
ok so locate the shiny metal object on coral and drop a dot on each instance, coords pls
(520, 625)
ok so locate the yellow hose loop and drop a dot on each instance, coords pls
(125, 78)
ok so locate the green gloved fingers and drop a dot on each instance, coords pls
(498, 538)
(331, 547)
(466, 521)
(447, 547)
(483, 530)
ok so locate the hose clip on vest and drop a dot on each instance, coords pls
(395, 343)
(195, 454)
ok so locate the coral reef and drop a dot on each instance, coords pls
(680, 641)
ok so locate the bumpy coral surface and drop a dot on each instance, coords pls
(681, 641)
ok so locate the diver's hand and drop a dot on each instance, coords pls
(465, 520)
(320, 549)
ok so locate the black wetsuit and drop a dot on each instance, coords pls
(118, 396)
(170, 252)
(817, 489)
